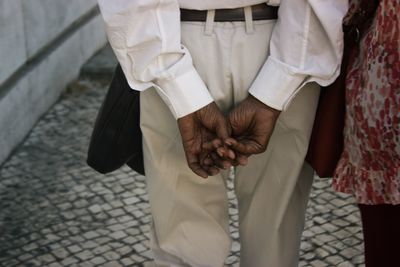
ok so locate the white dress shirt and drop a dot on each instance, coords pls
(306, 45)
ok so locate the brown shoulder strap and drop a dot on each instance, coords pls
(361, 19)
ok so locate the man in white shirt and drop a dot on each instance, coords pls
(205, 79)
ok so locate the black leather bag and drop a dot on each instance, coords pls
(116, 138)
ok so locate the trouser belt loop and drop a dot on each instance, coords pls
(210, 22)
(248, 15)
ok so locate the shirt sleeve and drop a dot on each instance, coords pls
(146, 38)
(306, 45)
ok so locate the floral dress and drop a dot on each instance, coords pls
(369, 167)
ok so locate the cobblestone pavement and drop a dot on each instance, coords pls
(56, 211)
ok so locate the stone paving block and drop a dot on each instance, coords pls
(145, 220)
(124, 250)
(116, 227)
(115, 244)
(306, 246)
(113, 264)
(308, 233)
(101, 250)
(54, 264)
(12, 262)
(77, 239)
(137, 258)
(130, 240)
(111, 255)
(139, 248)
(73, 230)
(235, 235)
(118, 235)
(330, 249)
(144, 228)
(133, 231)
(126, 220)
(82, 203)
(334, 260)
(318, 263)
(116, 212)
(338, 245)
(24, 257)
(89, 244)
(46, 258)
(341, 233)
(346, 264)
(84, 255)
(69, 261)
(330, 228)
(131, 200)
(321, 253)
(117, 204)
(34, 262)
(91, 235)
(127, 262)
(98, 260)
(65, 242)
(308, 256)
(325, 237)
(74, 249)
(349, 253)
(102, 240)
(30, 247)
(358, 260)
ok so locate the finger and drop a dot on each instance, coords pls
(247, 147)
(214, 144)
(226, 153)
(195, 166)
(208, 162)
(230, 141)
(204, 158)
(229, 144)
(221, 152)
(217, 161)
(213, 171)
(242, 159)
(220, 163)
(234, 163)
(230, 153)
(197, 169)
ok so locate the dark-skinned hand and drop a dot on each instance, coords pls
(252, 123)
(200, 127)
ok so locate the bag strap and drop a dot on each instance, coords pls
(360, 21)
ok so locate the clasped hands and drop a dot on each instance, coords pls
(213, 142)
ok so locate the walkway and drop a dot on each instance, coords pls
(56, 211)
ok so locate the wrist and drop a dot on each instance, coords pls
(255, 101)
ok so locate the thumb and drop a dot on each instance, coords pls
(244, 146)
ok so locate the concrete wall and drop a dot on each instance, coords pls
(43, 44)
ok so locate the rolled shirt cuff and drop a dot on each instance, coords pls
(276, 84)
(184, 94)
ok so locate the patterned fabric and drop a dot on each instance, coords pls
(370, 164)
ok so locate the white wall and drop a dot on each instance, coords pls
(43, 44)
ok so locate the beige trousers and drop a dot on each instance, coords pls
(190, 214)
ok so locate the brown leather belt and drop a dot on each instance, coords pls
(260, 12)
